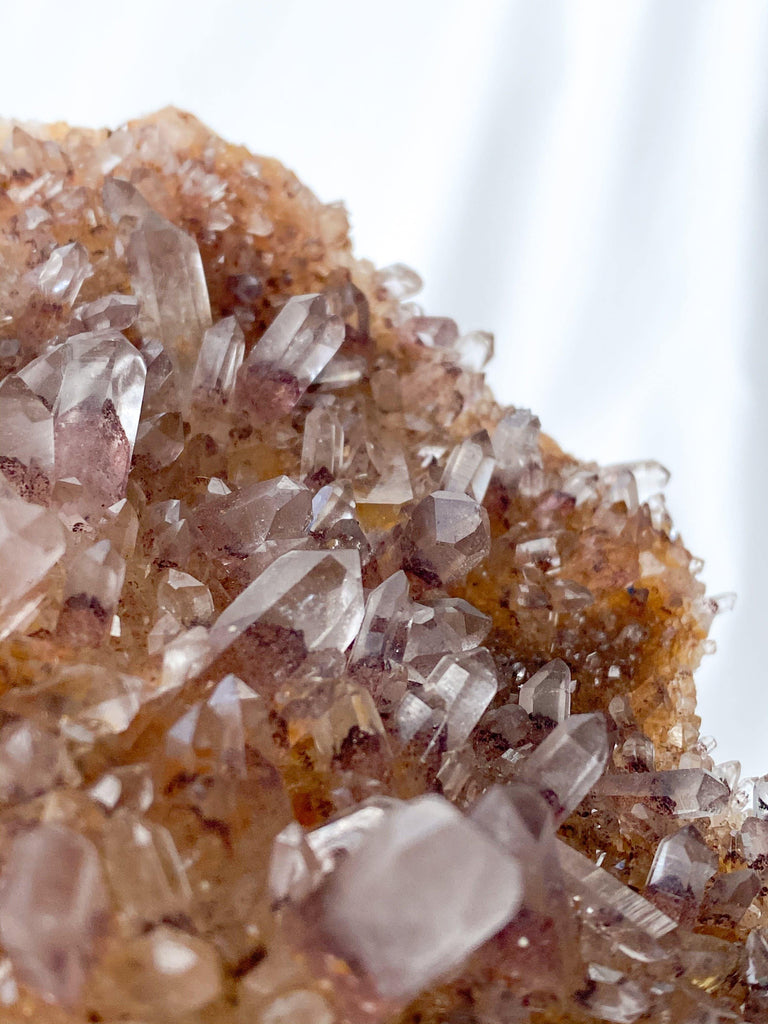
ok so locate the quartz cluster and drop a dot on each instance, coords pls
(331, 692)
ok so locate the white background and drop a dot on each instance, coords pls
(586, 179)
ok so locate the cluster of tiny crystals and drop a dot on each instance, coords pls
(331, 692)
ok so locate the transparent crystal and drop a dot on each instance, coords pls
(168, 279)
(422, 890)
(629, 920)
(548, 692)
(399, 281)
(475, 349)
(323, 444)
(32, 761)
(470, 466)
(210, 736)
(185, 598)
(234, 525)
(144, 870)
(727, 900)
(383, 636)
(459, 689)
(94, 384)
(51, 907)
(115, 312)
(516, 444)
(448, 625)
(59, 279)
(167, 973)
(567, 764)
(686, 792)
(31, 543)
(317, 593)
(681, 868)
(219, 360)
(289, 356)
(757, 957)
(448, 535)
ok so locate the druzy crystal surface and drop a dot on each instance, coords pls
(331, 692)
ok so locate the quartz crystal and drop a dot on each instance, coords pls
(331, 691)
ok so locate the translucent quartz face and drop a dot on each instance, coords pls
(331, 692)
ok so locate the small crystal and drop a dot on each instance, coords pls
(52, 905)
(459, 689)
(289, 356)
(548, 692)
(568, 763)
(323, 445)
(757, 954)
(516, 444)
(144, 870)
(684, 792)
(475, 349)
(185, 598)
(31, 761)
(219, 360)
(383, 636)
(167, 973)
(449, 535)
(92, 592)
(399, 281)
(729, 897)
(681, 868)
(423, 890)
(111, 312)
(60, 277)
(300, 1007)
(470, 466)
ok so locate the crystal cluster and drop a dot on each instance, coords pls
(331, 692)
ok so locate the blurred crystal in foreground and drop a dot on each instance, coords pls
(331, 692)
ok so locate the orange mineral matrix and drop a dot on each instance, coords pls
(331, 691)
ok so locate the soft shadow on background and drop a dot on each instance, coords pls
(586, 179)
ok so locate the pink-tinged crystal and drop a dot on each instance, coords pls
(684, 792)
(94, 386)
(424, 889)
(52, 909)
(298, 344)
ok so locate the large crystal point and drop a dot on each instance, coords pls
(93, 384)
(31, 543)
(548, 691)
(680, 871)
(568, 763)
(289, 356)
(423, 890)
(52, 905)
(168, 278)
(316, 593)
